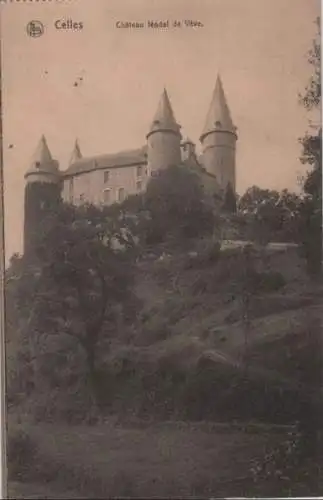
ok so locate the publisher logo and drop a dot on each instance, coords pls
(35, 29)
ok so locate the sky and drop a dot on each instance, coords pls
(258, 46)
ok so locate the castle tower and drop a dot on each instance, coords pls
(42, 191)
(76, 153)
(164, 138)
(218, 140)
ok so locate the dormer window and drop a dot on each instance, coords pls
(218, 124)
(37, 164)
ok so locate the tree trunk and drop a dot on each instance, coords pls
(92, 379)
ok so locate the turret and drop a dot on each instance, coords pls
(164, 138)
(218, 140)
(76, 153)
(42, 192)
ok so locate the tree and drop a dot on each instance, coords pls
(176, 205)
(312, 96)
(79, 281)
(271, 214)
(311, 210)
(229, 202)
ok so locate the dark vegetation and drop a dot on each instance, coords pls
(135, 315)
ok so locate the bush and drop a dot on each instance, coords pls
(21, 453)
(270, 281)
(286, 468)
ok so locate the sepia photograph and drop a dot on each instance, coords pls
(162, 287)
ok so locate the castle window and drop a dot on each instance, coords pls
(82, 197)
(139, 171)
(106, 176)
(37, 164)
(121, 194)
(107, 195)
(139, 185)
(218, 124)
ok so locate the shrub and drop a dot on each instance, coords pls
(270, 281)
(286, 469)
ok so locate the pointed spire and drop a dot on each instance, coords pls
(42, 160)
(76, 153)
(218, 117)
(42, 154)
(164, 117)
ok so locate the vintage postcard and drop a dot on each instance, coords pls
(162, 257)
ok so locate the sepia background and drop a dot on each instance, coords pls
(169, 345)
(258, 46)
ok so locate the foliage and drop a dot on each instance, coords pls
(176, 206)
(269, 214)
(269, 281)
(72, 295)
(229, 202)
(286, 466)
(312, 96)
(311, 209)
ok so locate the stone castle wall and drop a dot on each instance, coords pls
(104, 185)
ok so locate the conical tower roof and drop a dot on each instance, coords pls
(218, 117)
(164, 117)
(42, 160)
(76, 153)
(42, 153)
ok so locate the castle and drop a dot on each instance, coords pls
(109, 178)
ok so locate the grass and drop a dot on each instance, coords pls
(173, 459)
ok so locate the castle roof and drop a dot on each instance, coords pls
(122, 159)
(218, 117)
(164, 117)
(42, 161)
(76, 153)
